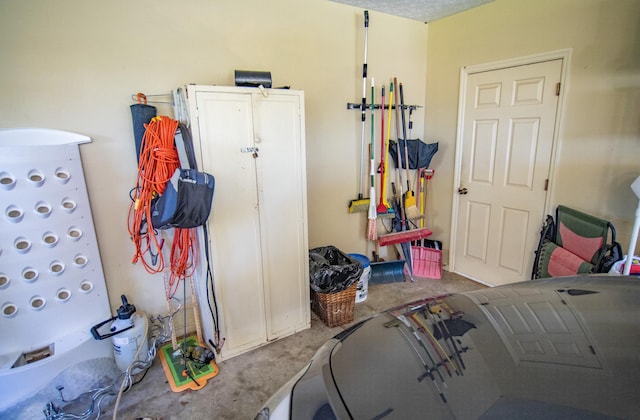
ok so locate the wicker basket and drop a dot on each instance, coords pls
(335, 308)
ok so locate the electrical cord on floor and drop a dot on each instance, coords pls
(52, 412)
(218, 341)
(160, 334)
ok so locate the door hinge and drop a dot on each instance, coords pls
(558, 89)
(546, 184)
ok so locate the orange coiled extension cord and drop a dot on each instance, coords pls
(182, 257)
(157, 163)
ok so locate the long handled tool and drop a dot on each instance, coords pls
(421, 194)
(425, 177)
(406, 246)
(361, 204)
(383, 206)
(410, 208)
(398, 159)
(372, 228)
(386, 147)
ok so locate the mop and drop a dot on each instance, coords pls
(361, 204)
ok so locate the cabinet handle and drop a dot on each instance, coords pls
(253, 150)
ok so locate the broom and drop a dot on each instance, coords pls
(360, 204)
(398, 198)
(410, 207)
(372, 229)
(382, 208)
(386, 150)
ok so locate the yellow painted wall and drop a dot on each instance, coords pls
(599, 136)
(74, 64)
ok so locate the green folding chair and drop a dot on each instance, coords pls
(575, 243)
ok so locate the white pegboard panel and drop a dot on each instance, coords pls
(52, 286)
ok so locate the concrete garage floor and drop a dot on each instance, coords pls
(245, 382)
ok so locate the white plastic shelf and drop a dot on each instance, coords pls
(52, 287)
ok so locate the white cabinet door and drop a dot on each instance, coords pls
(254, 146)
(278, 122)
(225, 130)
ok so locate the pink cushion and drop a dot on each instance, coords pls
(584, 248)
(564, 263)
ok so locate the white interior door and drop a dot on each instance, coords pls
(506, 143)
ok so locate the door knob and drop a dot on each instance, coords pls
(462, 191)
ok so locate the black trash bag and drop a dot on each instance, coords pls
(331, 270)
(420, 153)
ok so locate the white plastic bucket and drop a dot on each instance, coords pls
(126, 343)
(363, 281)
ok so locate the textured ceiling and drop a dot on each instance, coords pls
(421, 10)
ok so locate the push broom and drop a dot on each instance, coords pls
(361, 204)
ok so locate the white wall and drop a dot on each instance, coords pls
(599, 137)
(74, 64)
